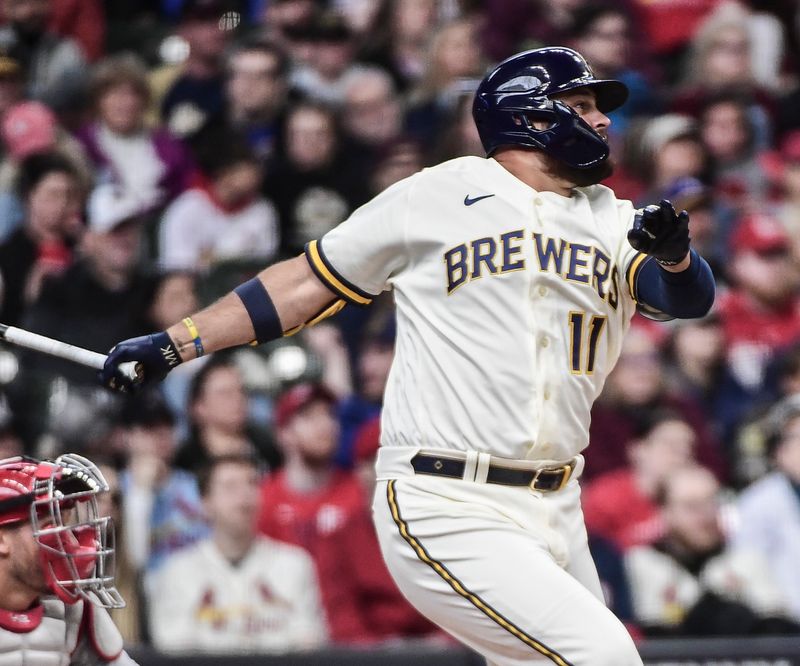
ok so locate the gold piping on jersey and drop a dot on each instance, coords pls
(458, 586)
(331, 279)
(633, 271)
(327, 311)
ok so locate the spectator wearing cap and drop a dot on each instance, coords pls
(692, 582)
(311, 503)
(49, 189)
(151, 163)
(236, 591)
(29, 128)
(330, 59)
(761, 312)
(316, 186)
(161, 505)
(602, 35)
(81, 20)
(192, 92)
(55, 66)
(104, 294)
(221, 217)
(219, 422)
(768, 518)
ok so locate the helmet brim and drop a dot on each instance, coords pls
(609, 93)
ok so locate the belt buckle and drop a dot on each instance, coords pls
(566, 470)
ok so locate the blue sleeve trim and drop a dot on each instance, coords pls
(685, 295)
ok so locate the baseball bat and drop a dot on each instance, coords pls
(40, 343)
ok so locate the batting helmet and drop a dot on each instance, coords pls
(59, 500)
(519, 91)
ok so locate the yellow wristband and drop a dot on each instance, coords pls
(198, 343)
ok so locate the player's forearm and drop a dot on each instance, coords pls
(685, 294)
(294, 290)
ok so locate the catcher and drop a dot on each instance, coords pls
(56, 566)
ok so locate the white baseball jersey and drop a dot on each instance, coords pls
(512, 305)
(55, 634)
(269, 601)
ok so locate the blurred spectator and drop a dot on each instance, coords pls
(786, 171)
(237, 591)
(55, 66)
(637, 386)
(161, 506)
(720, 63)
(330, 59)
(602, 35)
(769, 510)
(103, 295)
(81, 20)
(151, 163)
(48, 187)
(620, 505)
(311, 503)
(728, 136)
(316, 186)
(670, 149)
(192, 92)
(373, 360)
(454, 66)
(691, 583)
(399, 159)
(11, 88)
(460, 137)
(372, 116)
(282, 20)
(256, 94)
(761, 313)
(29, 128)
(221, 217)
(218, 419)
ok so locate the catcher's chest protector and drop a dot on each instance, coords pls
(45, 639)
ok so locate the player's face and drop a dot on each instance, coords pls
(584, 103)
(25, 564)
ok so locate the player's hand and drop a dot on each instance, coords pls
(154, 354)
(662, 234)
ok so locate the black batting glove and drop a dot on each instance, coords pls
(662, 234)
(155, 355)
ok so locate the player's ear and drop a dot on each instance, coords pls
(5, 542)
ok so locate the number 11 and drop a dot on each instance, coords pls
(596, 325)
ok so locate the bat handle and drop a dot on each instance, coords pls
(131, 370)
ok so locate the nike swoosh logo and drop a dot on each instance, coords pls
(469, 202)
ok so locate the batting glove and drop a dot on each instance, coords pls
(662, 234)
(155, 355)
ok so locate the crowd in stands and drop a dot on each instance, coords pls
(157, 153)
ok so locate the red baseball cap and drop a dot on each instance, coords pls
(760, 234)
(28, 128)
(299, 397)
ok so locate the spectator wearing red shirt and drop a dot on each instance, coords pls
(761, 313)
(312, 504)
(620, 505)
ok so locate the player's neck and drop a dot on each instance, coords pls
(531, 168)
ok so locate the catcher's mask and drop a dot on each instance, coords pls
(76, 545)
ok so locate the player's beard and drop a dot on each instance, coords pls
(580, 177)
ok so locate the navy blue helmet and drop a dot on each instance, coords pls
(519, 90)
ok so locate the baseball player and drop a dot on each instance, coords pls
(515, 278)
(56, 566)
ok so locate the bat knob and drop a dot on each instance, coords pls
(132, 370)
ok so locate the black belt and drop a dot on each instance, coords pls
(546, 480)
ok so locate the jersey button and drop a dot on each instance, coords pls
(547, 394)
(542, 291)
(538, 201)
(544, 342)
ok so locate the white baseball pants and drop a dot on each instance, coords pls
(505, 570)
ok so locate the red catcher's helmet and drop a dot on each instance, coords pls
(76, 545)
